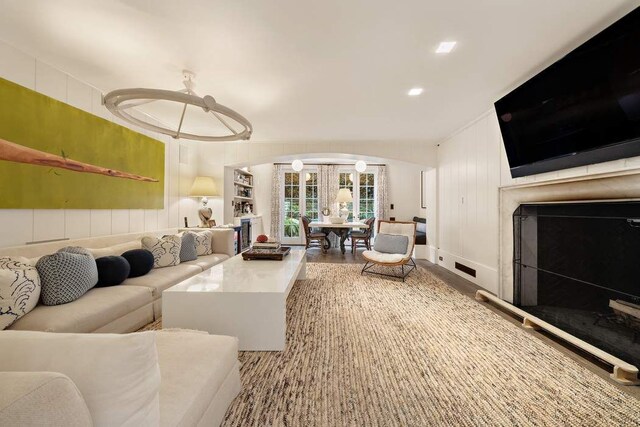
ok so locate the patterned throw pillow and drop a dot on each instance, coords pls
(66, 276)
(19, 289)
(203, 242)
(166, 251)
(188, 248)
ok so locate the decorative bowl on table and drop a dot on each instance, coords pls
(336, 220)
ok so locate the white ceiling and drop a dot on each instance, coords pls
(314, 70)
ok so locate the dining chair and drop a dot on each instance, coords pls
(362, 236)
(314, 236)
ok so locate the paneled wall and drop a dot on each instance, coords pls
(472, 166)
(468, 180)
(18, 226)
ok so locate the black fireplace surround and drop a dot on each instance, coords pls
(577, 266)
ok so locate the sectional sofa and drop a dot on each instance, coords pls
(72, 378)
(116, 309)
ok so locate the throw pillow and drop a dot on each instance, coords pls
(421, 227)
(203, 242)
(391, 243)
(140, 261)
(19, 289)
(66, 276)
(188, 248)
(165, 250)
(112, 270)
(117, 374)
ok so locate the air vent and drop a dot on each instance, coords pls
(470, 271)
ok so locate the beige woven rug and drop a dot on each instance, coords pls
(369, 351)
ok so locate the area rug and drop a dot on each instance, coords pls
(369, 351)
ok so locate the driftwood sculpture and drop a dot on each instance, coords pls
(20, 154)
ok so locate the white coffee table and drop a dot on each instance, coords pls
(245, 299)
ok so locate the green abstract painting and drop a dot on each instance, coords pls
(55, 156)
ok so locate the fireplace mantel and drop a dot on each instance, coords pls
(620, 185)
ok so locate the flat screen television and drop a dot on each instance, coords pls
(583, 109)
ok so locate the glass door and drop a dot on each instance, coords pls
(291, 227)
(299, 197)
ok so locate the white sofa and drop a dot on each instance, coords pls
(116, 309)
(165, 378)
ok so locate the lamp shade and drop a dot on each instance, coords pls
(344, 196)
(203, 186)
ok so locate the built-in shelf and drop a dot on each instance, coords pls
(239, 193)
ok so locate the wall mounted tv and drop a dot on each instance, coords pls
(583, 109)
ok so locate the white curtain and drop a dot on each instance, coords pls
(276, 205)
(328, 185)
(382, 199)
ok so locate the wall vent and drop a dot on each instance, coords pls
(470, 271)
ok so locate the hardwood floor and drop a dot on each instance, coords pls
(469, 289)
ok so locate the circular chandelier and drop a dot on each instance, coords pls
(121, 100)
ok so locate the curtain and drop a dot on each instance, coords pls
(382, 205)
(276, 202)
(328, 186)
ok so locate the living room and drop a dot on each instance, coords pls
(224, 214)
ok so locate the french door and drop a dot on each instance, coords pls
(299, 197)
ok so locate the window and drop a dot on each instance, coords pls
(346, 181)
(291, 204)
(366, 195)
(311, 195)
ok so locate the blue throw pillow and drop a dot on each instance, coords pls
(140, 261)
(112, 270)
(391, 244)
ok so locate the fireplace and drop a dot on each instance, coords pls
(577, 266)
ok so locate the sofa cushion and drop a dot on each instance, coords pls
(19, 289)
(160, 279)
(140, 261)
(208, 261)
(112, 270)
(33, 397)
(115, 249)
(204, 242)
(391, 243)
(117, 374)
(185, 394)
(188, 247)
(165, 250)
(96, 308)
(66, 276)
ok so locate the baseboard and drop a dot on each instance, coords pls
(485, 277)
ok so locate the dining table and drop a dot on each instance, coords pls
(340, 230)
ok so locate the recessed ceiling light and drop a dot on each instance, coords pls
(415, 91)
(445, 47)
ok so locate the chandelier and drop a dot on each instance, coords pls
(120, 101)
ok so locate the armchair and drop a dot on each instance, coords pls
(389, 260)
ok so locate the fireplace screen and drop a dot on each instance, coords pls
(577, 266)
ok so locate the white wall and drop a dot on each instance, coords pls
(472, 165)
(18, 226)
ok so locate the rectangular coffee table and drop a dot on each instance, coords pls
(245, 299)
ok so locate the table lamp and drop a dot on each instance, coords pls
(204, 186)
(344, 197)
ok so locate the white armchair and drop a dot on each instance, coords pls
(392, 259)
